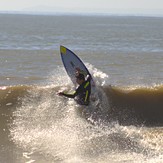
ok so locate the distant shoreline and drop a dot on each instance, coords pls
(77, 14)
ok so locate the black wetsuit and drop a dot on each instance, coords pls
(82, 93)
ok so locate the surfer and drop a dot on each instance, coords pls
(83, 91)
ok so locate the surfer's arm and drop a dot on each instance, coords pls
(71, 95)
(67, 94)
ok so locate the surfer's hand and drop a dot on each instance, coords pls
(60, 93)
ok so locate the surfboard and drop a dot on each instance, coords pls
(72, 63)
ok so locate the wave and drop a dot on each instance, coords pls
(127, 105)
(136, 104)
(38, 121)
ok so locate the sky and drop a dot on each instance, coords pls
(151, 7)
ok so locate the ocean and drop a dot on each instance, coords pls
(124, 55)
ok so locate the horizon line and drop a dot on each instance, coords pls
(60, 13)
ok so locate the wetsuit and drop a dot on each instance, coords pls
(82, 93)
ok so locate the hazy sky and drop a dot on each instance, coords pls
(95, 6)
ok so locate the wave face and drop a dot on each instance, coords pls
(124, 104)
(143, 104)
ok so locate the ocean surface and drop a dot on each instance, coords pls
(124, 55)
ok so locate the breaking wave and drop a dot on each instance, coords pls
(46, 125)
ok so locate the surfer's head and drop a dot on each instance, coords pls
(80, 78)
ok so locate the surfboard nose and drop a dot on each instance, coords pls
(62, 49)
